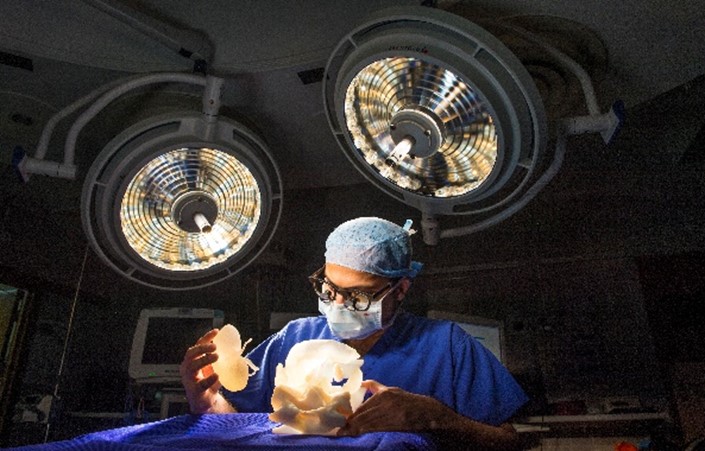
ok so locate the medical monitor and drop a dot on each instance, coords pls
(161, 338)
(489, 332)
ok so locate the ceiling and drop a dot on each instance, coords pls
(646, 53)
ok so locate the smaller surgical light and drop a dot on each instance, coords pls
(174, 210)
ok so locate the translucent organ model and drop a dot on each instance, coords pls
(317, 389)
(232, 368)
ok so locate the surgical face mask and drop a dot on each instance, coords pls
(348, 324)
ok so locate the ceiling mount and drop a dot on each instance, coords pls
(559, 87)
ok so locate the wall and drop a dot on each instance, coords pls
(575, 329)
(674, 288)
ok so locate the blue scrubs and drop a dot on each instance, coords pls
(420, 355)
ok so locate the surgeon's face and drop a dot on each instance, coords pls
(350, 279)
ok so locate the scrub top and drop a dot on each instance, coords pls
(420, 355)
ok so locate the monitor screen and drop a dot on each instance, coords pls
(489, 332)
(161, 338)
(168, 338)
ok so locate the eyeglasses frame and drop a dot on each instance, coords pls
(377, 296)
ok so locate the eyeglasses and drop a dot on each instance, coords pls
(352, 299)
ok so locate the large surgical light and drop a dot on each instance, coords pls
(440, 114)
(436, 112)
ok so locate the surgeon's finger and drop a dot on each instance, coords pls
(207, 337)
(207, 382)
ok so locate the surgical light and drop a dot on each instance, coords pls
(176, 201)
(174, 204)
(438, 113)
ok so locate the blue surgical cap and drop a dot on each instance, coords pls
(372, 245)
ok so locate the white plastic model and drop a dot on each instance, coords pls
(231, 367)
(317, 389)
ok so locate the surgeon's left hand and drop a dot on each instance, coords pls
(394, 409)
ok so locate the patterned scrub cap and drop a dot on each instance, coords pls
(373, 245)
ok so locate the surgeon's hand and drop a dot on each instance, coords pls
(197, 376)
(394, 409)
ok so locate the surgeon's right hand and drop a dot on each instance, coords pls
(199, 381)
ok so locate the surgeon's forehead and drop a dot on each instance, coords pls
(344, 277)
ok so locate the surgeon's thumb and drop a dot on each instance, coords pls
(373, 386)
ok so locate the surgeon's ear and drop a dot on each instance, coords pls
(403, 287)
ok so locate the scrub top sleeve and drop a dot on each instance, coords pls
(484, 389)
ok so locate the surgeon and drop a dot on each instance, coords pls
(422, 375)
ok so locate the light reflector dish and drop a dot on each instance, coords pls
(454, 138)
(202, 181)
